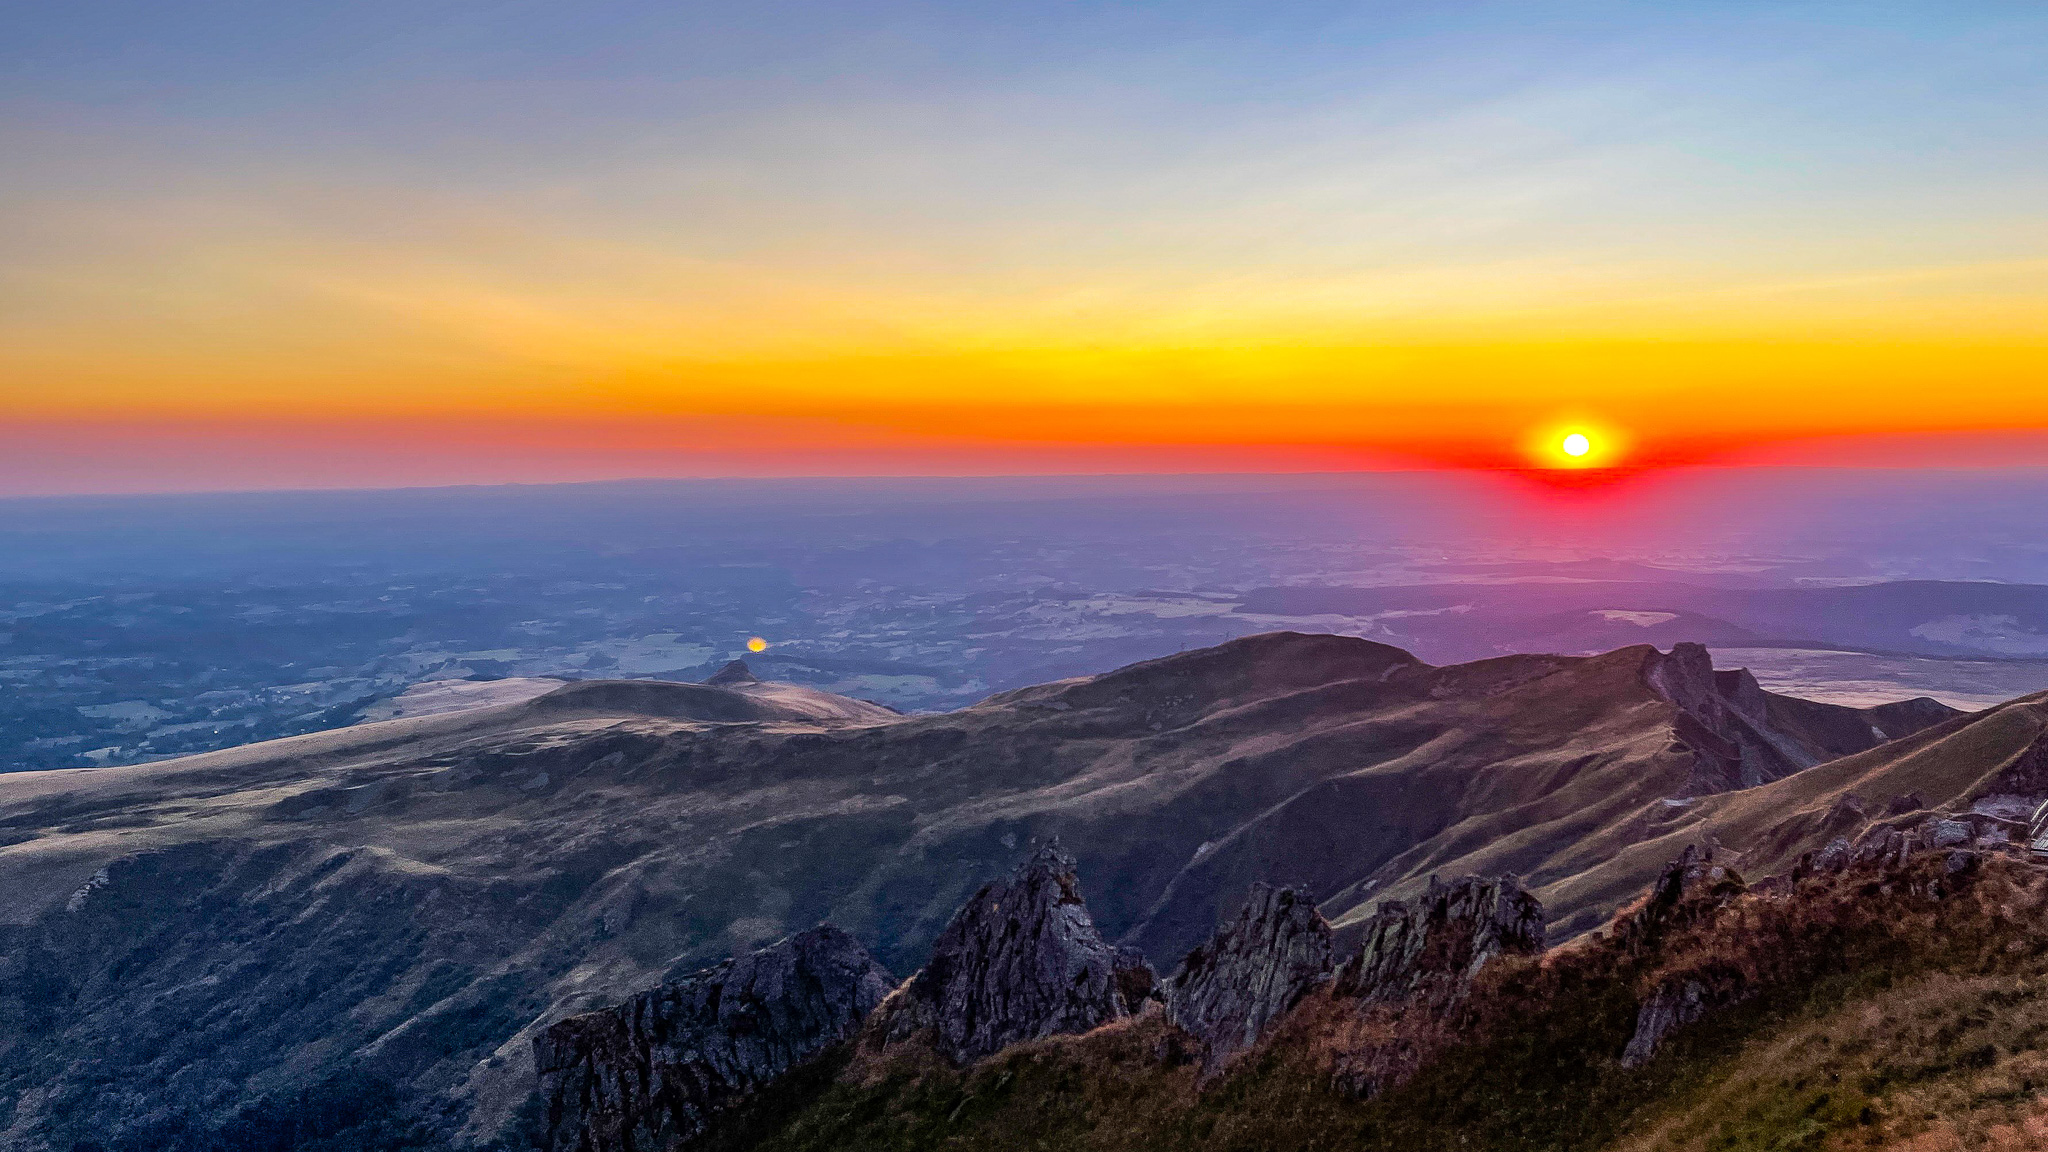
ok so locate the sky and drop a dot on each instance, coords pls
(280, 244)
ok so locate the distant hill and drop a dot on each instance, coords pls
(388, 912)
(1952, 618)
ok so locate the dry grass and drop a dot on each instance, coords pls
(1881, 1014)
(1947, 1041)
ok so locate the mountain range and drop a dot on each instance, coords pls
(373, 924)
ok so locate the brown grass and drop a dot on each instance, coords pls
(1882, 1013)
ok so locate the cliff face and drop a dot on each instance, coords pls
(1727, 721)
(654, 1071)
(1257, 967)
(1022, 960)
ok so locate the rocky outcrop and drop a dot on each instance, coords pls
(1022, 960)
(1888, 845)
(1430, 948)
(1688, 890)
(1693, 890)
(1257, 967)
(652, 1072)
(1415, 969)
(1671, 1005)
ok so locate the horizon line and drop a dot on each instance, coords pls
(1543, 475)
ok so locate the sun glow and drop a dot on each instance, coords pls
(1576, 444)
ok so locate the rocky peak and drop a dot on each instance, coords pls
(1724, 718)
(1430, 948)
(1020, 961)
(733, 674)
(1250, 973)
(653, 1072)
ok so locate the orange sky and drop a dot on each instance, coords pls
(1237, 239)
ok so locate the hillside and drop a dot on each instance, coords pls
(388, 913)
(1902, 1008)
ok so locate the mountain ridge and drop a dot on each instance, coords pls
(612, 835)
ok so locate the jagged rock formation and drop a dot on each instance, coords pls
(1688, 890)
(1226, 991)
(1431, 948)
(652, 1072)
(1022, 960)
(1850, 978)
(1742, 736)
(1725, 720)
(1692, 889)
(1415, 969)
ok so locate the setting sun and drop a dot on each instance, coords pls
(1576, 443)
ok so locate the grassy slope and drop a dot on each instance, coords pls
(1769, 826)
(1889, 1019)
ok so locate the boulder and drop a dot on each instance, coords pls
(652, 1072)
(1948, 833)
(1256, 968)
(1021, 961)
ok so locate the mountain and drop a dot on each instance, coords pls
(362, 930)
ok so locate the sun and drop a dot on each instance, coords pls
(756, 644)
(1576, 444)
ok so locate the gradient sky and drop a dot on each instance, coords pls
(268, 243)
